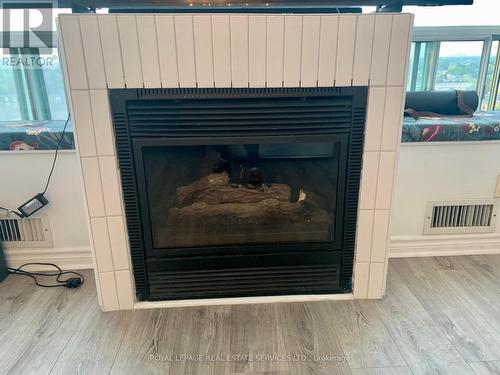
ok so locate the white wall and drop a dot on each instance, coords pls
(442, 171)
(24, 174)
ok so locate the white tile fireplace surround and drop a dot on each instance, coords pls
(232, 50)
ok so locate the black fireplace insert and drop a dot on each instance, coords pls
(240, 192)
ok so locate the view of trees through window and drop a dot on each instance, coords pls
(458, 65)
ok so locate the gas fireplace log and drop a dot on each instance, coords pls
(215, 189)
(266, 221)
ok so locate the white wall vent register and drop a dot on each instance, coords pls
(28, 232)
(460, 217)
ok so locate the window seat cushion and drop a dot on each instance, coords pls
(483, 126)
(35, 135)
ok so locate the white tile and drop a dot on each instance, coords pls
(102, 122)
(108, 291)
(111, 52)
(129, 41)
(222, 50)
(363, 51)
(361, 277)
(374, 118)
(97, 285)
(310, 51)
(203, 50)
(380, 54)
(274, 52)
(327, 50)
(396, 69)
(64, 67)
(102, 247)
(364, 235)
(125, 289)
(91, 40)
(380, 230)
(345, 50)
(93, 189)
(239, 51)
(385, 180)
(118, 242)
(73, 53)
(369, 181)
(185, 51)
(393, 117)
(257, 51)
(292, 51)
(110, 185)
(82, 119)
(376, 281)
(148, 47)
(167, 50)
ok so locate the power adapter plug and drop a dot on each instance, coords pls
(33, 205)
(73, 282)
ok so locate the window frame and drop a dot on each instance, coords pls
(485, 34)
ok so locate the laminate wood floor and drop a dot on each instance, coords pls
(440, 316)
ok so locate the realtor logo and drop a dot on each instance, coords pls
(27, 24)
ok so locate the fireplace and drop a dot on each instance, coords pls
(240, 192)
(121, 68)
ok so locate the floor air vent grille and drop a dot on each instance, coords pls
(460, 217)
(29, 232)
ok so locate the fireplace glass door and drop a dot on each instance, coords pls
(224, 194)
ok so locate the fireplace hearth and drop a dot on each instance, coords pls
(240, 192)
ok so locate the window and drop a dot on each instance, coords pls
(422, 57)
(9, 105)
(32, 86)
(458, 65)
(445, 65)
(491, 97)
(457, 58)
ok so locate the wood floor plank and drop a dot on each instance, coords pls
(147, 332)
(93, 349)
(472, 335)
(256, 331)
(477, 289)
(382, 371)
(176, 341)
(364, 338)
(419, 339)
(205, 332)
(15, 293)
(35, 339)
(310, 339)
(486, 368)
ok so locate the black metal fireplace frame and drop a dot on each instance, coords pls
(128, 157)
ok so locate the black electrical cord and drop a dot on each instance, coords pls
(55, 155)
(70, 282)
(58, 146)
(13, 211)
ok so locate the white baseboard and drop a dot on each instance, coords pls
(68, 258)
(444, 245)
